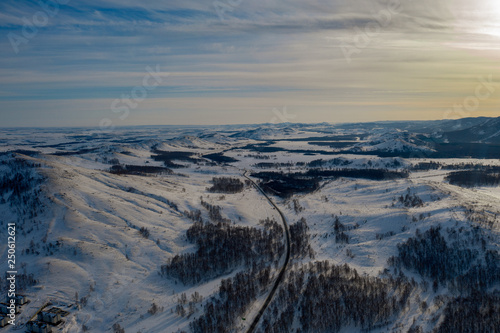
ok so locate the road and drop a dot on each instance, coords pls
(281, 274)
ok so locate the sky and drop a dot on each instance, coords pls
(106, 63)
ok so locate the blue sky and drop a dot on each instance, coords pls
(241, 61)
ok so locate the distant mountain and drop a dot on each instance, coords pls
(427, 126)
(266, 133)
(488, 131)
(463, 123)
(393, 141)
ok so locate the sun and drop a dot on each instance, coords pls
(492, 18)
(495, 7)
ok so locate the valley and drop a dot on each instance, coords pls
(381, 227)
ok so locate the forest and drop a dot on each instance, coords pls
(224, 311)
(168, 158)
(372, 174)
(222, 247)
(119, 169)
(287, 184)
(323, 297)
(472, 178)
(220, 158)
(464, 265)
(20, 187)
(227, 185)
(479, 312)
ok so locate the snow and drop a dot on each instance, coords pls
(96, 216)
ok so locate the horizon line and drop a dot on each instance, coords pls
(241, 124)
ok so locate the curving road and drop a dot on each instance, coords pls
(281, 274)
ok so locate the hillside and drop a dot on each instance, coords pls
(158, 230)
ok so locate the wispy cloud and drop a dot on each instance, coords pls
(270, 51)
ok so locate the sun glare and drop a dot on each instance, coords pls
(492, 18)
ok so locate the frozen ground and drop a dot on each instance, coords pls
(87, 242)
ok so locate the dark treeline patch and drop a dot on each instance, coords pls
(431, 256)
(260, 156)
(23, 281)
(222, 247)
(128, 140)
(262, 148)
(372, 174)
(77, 152)
(475, 313)
(425, 166)
(128, 153)
(471, 178)
(482, 275)
(342, 162)
(339, 230)
(20, 187)
(286, 185)
(333, 144)
(138, 170)
(441, 150)
(171, 204)
(22, 151)
(299, 240)
(223, 311)
(336, 161)
(459, 265)
(214, 213)
(265, 148)
(227, 185)
(410, 199)
(323, 297)
(433, 165)
(167, 157)
(473, 166)
(220, 158)
(173, 165)
(20, 179)
(450, 150)
(58, 145)
(353, 137)
(276, 165)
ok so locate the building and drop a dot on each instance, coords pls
(49, 317)
(4, 308)
(38, 327)
(4, 321)
(58, 311)
(21, 299)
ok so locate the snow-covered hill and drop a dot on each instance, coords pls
(96, 241)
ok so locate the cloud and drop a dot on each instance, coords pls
(97, 50)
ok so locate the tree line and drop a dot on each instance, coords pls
(323, 297)
(464, 265)
(20, 187)
(473, 178)
(222, 247)
(227, 185)
(223, 312)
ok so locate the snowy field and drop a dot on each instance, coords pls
(85, 248)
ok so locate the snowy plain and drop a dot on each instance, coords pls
(88, 245)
